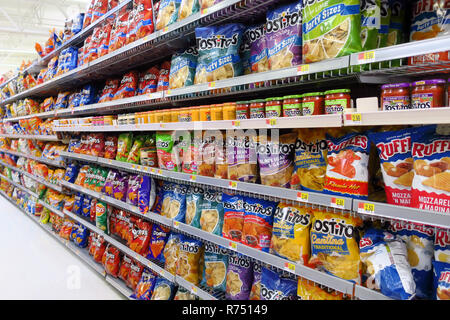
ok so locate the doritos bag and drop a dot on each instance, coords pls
(290, 234)
(163, 77)
(158, 240)
(134, 183)
(111, 260)
(124, 269)
(99, 247)
(258, 219)
(148, 81)
(136, 270)
(347, 173)
(110, 88)
(128, 85)
(277, 287)
(284, 35)
(144, 288)
(141, 237)
(111, 147)
(146, 194)
(334, 244)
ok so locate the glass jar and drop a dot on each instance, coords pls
(242, 110)
(395, 96)
(151, 116)
(427, 94)
(292, 105)
(166, 116)
(195, 113)
(273, 107)
(257, 109)
(205, 113)
(313, 103)
(336, 101)
(174, 115)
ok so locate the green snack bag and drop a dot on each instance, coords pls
(134, 154)
(124, 143)
(370, 23)
(102, 173)
(101, 216)
(385, 12)
(331, 28)
(396, 33)
(168, 155)
(42, 191)
(194, 198)
(147, 153)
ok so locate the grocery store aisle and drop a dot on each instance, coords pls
(35, 266)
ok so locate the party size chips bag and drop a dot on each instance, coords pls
(254, 49)
(182, 68)
(370, 24)
(307, 290)
(188, 263)
(167, 13)
(158, 240)
(215, 270)
(177, 207)
(277, 287)
(144, 288)
(239, 277)
(284, 35)
(211, 216)
(331, 29)
(194, 198)
(290, 234)
(163, 289)
(233, 207)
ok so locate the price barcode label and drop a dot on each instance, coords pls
(368, 208)
(212, 84)
(232, 184)
(169, 92)
(337, 203)
(366, 57)
(271, 122)
(232, 245)
(303, 69)
(236, 123)
(288, 266)
(133, 166)
(355, 118)
(192, 177)
(204, 11)
(72, 110)
(159, 172)
(194, 290)
(109, 161)
(166, 29)
(162, 125)
(302, 196)
(176, 224)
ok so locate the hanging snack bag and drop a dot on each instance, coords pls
(168, 155)
(430, 186)
(384, 257)
(189, 259)
(141, 233)
(441, 283)
(275, 158)
(334, 244)
(101, 216)
(211, 216)
(133, 155)
(171, 252)
(419, 240)
(182, 68)
(347, 168)
(290, 234)
(442, 246)
(148, 81)
(239, 277)
(233, 207)
(310, 160)
(167, 13)
(111, 260)
(124, 269)
(194, 199)
(370, 24)
(258, 220)
(134, 183)
(335, 33)
(218, 52)
(146, 194)
(163, 289)
(177, 206)
(275, 286)
(216, 264)
(160, 235)
(124, 144)
(163, 77)
(284, 35)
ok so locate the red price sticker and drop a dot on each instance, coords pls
(302, 196)
(288, 266)
(236, 123)
(303, 69)
(337, 203)
(367, 208)
(232, 184)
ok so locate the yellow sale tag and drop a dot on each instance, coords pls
(366, 57)
(232, 184)
(304, 68)
(159, 172)
(194, 290)
(169, 92)
(338, 203)
(232, 245)
(176, 224)
(356, 117)
(133, 166)
(192, 177)
(166, 29)
(369, 207)
(302, 196)
(288, 266)
(236, 123)
(162, 125)
(153, 170)
(271, 122)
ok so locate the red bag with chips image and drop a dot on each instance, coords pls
(163, 78)
(143, 16)
(97, 144)
(88, 16)
(124, 269)
(110, 88)
(93, 212)
(128, 85)
(148, 81)
(119, 33)
(104, 37)
(94, 44)
(99, 9)
(99, 245)
(140, 237)
(111, 260)
(111, 147)
(136, 269)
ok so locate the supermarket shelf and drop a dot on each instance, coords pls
(20, 186)
(31, 136)
(274, 123)
(119, 285)
(38, 179)
(388, 211)
(399, 117)
(51, 208)
(40, 159)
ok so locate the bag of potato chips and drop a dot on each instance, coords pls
(254, 49)
(284, 35)
(385, 19)
(310, 160)
(189, 259)
(290, 234)
(331, 29)
(188, 7)
(309, 291)
(218, 48)
(370, 24)
(239, 277)
(163, 289)
(233, 206)
(241, 157)
(441, 283)
(211, 216)
(215, 270)
(171, 253)
(182, 68)
(167, 13)
(442, 245)
(194, 198)
(334, 244)
(275, 286)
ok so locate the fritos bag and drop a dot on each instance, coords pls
(431, 183)
(284, 35)
(331, 29)
(290, 234)
(334, 244)
(347, 166)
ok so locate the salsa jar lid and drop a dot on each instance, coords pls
(243, 102)
(313, 94)
(396, 85)
(295, 96)
(257, 101)
(337, 91)
(428, 82)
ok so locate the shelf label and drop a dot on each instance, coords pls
(271, 122)
(204, 11)
(159, 172)
(192, 178)
(162, 125)
(72, 110)
(194, 289)
(338, 203)
(232, 184)
(236, 123)
(133, 166)
(176, 224)
(353, 118)
(368, 208)
(169, 92)
(166, 29)
(302, 196)
(303, 69)
(212, 84)
(366, 57)
(289, 266)
(232, 245)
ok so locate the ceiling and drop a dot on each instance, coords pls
(25, 22)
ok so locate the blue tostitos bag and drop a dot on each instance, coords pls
(275, 286)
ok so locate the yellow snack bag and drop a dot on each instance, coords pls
(290, 233)
(309, 291)
(188, 264)
(334, 247)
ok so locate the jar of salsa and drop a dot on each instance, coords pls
(428, 94)
(205, 113)
(242, 110)
(273, 107)
(313, 103)
(229, 111)
(336, 101)
(184, 115)
(216, 112)
(395, 96)
(257, 109)
(292, 105)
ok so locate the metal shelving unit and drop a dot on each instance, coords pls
(40, 159)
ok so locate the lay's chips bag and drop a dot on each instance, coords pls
(334, 244)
